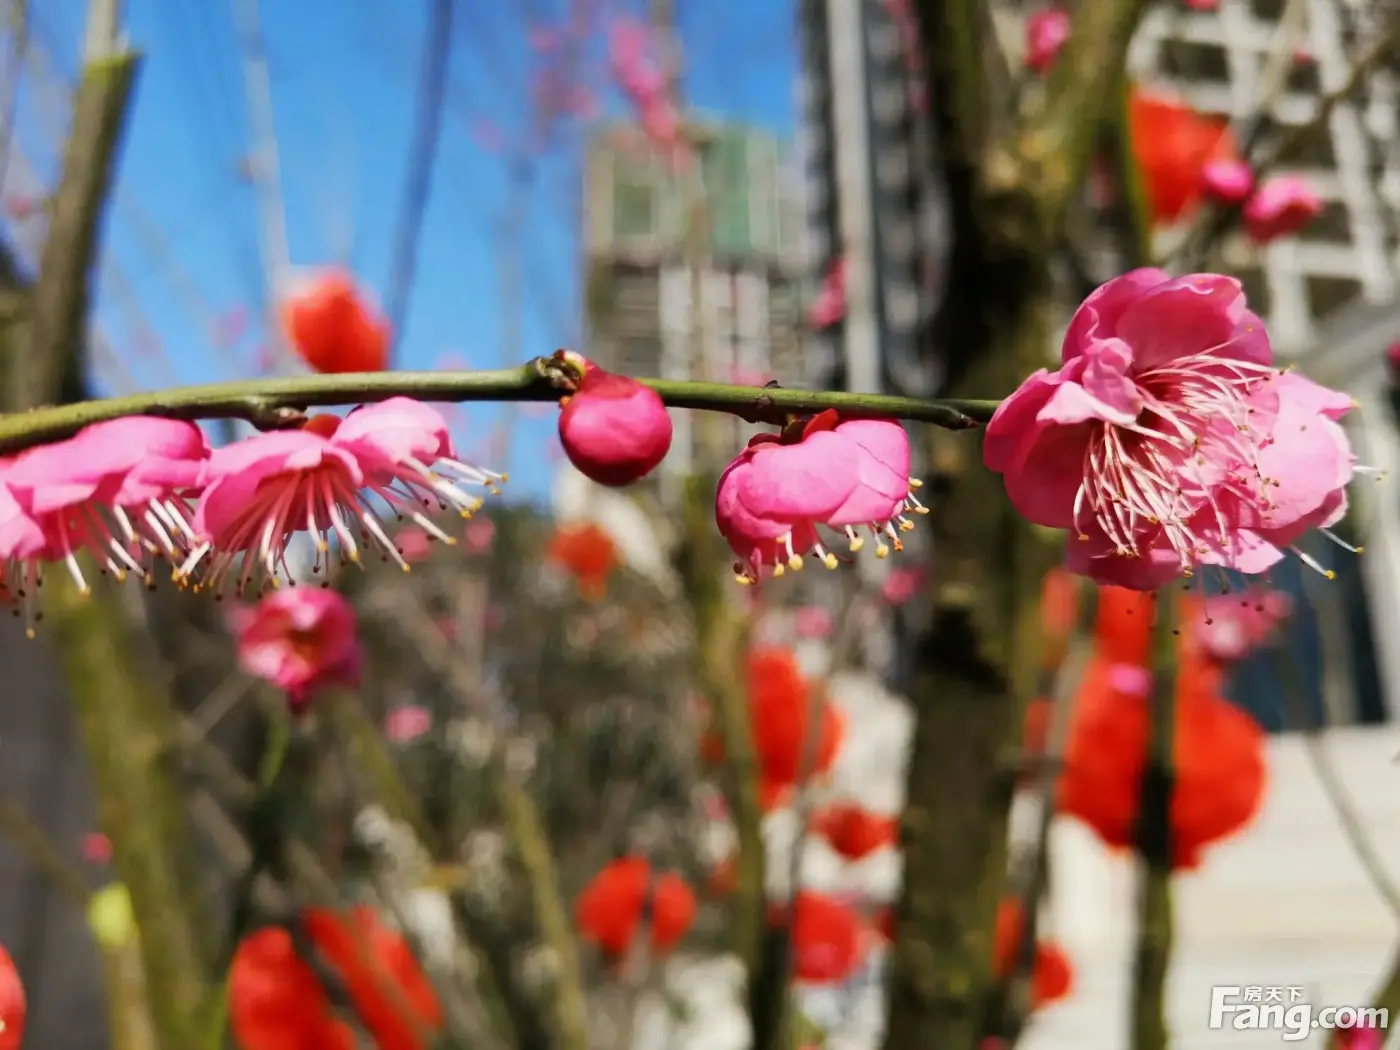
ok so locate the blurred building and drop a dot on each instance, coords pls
(873, 205)
(639, 311)
(1232, 60)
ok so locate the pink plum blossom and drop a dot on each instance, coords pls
(641, 78)
(479, 536)
(414, 543)
(1279, 208)
(116, 490)
(814, 621)
(299, 639)
(613, 429)
(1167, 440)
(818, 472)
(263, 490)
(1046, 34)
(829, 307)
(1229, 181)
(901, 585)
(97, 848)
(1232, 625)
(407, 723)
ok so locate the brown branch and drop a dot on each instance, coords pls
(977, 665)
(43, 854)
(122, 716)
(1154, 840)
(59, 303)
(1058, 135)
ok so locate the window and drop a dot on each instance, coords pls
(727, 190)
(634, 207)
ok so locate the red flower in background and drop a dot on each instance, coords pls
(780, 705)
(1219, 762)
(331, 325)
(388, 988)
(611, 907)
(1052, 978)
(14, 1008)
(275, 1001)
(1173, 144)
(853, 831)
(828, 938)
(588, 553)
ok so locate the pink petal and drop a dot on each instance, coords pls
(1097, 317)
(807, 481)
(1185, 317)
(392, 432)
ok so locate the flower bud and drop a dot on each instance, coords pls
(614, 430)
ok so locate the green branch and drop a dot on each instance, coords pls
(281, 402)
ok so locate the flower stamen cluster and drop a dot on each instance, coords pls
(1169, 440)
(135, 491)
(847, 476)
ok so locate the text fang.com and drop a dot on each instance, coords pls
(1253, 1008)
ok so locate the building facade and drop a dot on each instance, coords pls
(640, 316)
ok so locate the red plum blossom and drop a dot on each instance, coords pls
(1167, 440)
(613, 429)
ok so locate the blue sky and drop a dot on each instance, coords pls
(182, 253)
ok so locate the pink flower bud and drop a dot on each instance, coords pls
(1279, 208)
(614, 430)
(1229, 181)
(1046, 33)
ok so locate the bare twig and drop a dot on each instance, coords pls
(19, 27)
(43, 854)
(265, 161)
(437, 51)
(59, 303)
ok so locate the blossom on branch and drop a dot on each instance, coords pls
(614, 430)
(118, 491)
(264, 490)
(1167, 440)
(823, 471)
